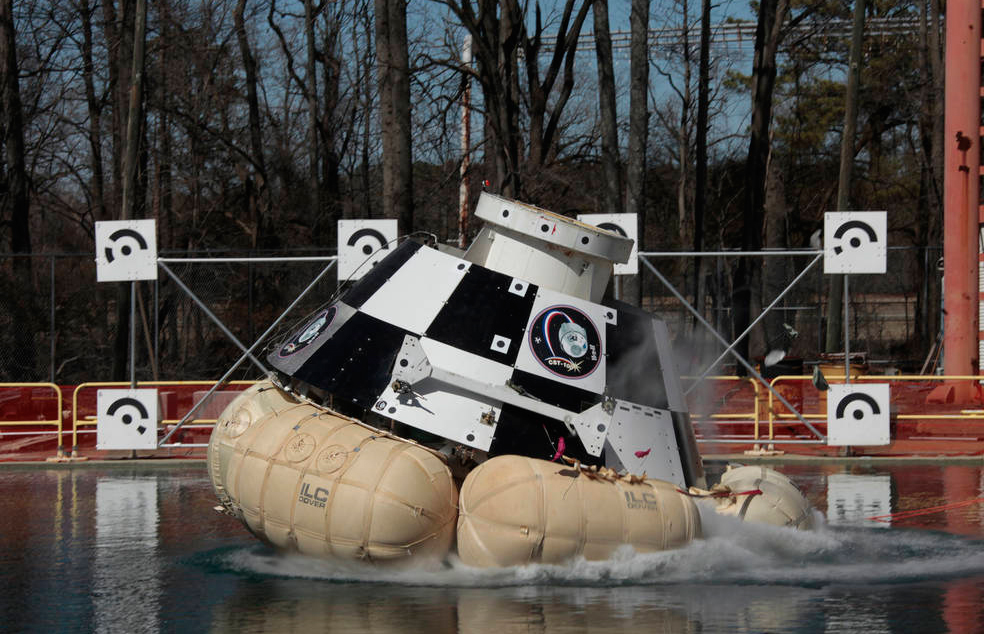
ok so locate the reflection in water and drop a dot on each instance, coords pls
(741, 578)
(140, 549)
(126, 586)
(853, 499)
(284, 605)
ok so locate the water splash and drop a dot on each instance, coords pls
(731, 552)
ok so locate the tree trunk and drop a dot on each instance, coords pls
(635, 180)
(635, 173)
(165, 165)
(612, 189)
(685, 233)
(311, 96)
(366, 92)
(333, 117)
(119, 44)
(510, 27)
(835, 306)
(258, 205)
(931, 189)
(392, 58)
(770, 18)
(17, 200)
(97, 182)
(684, 223)
(135, 114)
(129, 169)
(934, 237)
(12, 126)
(700, 174)
(771, 334)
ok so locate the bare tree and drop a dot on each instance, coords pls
(606, 107)
(835, 305)
(772, 14)
(17, 202)
(256, 184)
(499, 34)
(635, 180)
(129, 194)
(134, 113)
(544, 121)
(685, 187)
(393, 72)
(310, 87)
(94, 105)
(700, 173)
(931, 183)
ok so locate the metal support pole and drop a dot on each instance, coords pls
(133, 335)
(737, 356)
(249, 285)
(245, 355)
(847, 332)
(51, 331)
(820, 310)
(157, 326)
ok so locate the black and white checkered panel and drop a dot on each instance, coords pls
(356, 363)
(488, 327)
(371, 282)
(309, 335)
(417, 291)
(343, 350)
(486, 315)
(349, 349)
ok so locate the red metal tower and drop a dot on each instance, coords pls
(962, 210)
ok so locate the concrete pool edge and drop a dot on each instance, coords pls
(810, 459)
(167, 463)
(143, 463)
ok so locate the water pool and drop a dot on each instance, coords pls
(137, 547)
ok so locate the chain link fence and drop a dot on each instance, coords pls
(57, 324)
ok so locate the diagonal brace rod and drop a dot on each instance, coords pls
(266, 333)
(761, 316)
(737, 356)
(211, 315)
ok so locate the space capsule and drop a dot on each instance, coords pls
(492, 402)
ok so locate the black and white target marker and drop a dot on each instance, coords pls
(126, 419)
(126, 250)
(855, 242)
(858, 414)
(362, 244)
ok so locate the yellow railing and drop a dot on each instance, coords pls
(965, 414)
(55, 422)
(743, 416)
(755, 416)
(82, 421)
